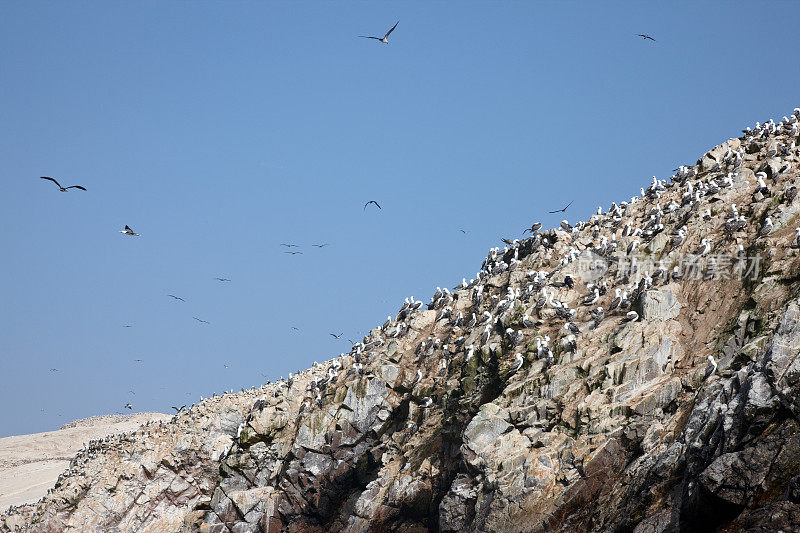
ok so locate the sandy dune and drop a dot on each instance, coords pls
(30, 464)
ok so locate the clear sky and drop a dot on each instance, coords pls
(220, 130)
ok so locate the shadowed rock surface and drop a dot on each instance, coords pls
(481, 412)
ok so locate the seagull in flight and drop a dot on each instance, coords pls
(371, 202)
(320, 245)
(339, 336)
(53, 370)
(462, 231)
(129, 406)
(201, 320)
(138, 360)
(289, 245)
(293, 253)
(129, 231)
(179, 409)
(222, 279)
(176, 297)
(63, 189)
(385, 39)
(561, 210)
(645, 36)
(295, 328)
(127, 326)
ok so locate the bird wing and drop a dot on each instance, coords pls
(51, 179)
(648, 37)
(367, 37)
(76, 187)
(390, 31)
(128, 228)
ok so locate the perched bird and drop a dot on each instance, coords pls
(631, 316)
(534, 228)
(518, 362)
(63, 189)
(645, 36)
(766, 229)
(176, 297)
(712, 367)
(129, 231)
(385, 38)
(372, 202)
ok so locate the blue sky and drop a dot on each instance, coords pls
(218, 130)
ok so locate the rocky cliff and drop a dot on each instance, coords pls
(635, 372)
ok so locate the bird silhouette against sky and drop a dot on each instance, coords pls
(372, 202)
(129, 231)
(561, 210)
(63, 189)
(385, 38)
(645, 36)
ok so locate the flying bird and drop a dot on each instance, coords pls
(138, 360)
(462, 231)
(179, 409)
(293, 253)
(289, 245)
(222, 279)
(53, 370)
(645, 36)
(201, 320)
(385, 39)
(129, 231)
(320, 245)
(63, 189)
(176, 297)
(127, 326)
(128, 406)
(339, 336)
(561, 210)
(371, 202)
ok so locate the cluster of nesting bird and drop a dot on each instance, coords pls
(507, 316)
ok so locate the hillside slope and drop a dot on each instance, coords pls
(530, 399)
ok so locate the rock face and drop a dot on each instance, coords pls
(673, 407)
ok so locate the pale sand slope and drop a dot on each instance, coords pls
(31, 464)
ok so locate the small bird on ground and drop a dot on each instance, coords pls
(129, 231)
(561, 210)
(385, 38)
(645, 36)
(63, 189)
(372, 202)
